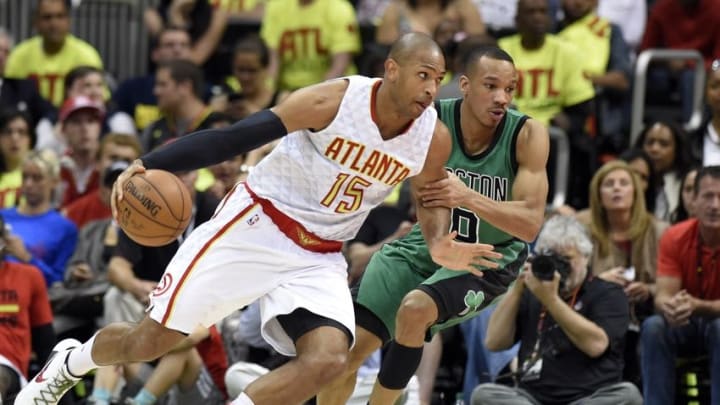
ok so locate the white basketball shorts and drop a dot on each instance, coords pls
(240, 256)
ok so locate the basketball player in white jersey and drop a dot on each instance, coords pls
(346, 144)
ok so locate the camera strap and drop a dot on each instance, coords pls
(535, 355)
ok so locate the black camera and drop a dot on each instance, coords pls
(545, 265)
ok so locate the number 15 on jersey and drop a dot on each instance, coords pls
(346, 193)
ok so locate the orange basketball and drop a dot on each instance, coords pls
(155, 209)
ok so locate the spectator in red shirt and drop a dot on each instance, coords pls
(96, 205)
(81, 122)
(687, 296)
(25, 321)
(681, 24)
(685, 24)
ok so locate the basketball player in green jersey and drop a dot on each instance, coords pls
(496, 190)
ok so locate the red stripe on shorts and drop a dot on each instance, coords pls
(293, 229)
(189, 269)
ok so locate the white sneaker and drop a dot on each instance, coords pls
(53, 381)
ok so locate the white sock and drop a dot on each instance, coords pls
(79, 361)
(242, 399)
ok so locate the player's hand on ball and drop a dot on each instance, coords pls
(461, 256)
(117, 190)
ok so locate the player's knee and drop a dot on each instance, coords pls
(417, 309)
(325, 365)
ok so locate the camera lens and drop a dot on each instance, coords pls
(543, 267)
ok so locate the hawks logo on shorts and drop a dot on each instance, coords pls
(163, 285)
(253, 220)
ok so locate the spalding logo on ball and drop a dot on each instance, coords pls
(155, 209)
(152, 207)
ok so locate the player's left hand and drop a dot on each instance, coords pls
(459, 256)
(117, 190)
(449, 192)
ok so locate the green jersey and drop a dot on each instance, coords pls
(406, 264)
(490, 173)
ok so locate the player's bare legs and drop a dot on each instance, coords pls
(322, 356)
(339, 390)
(114, 344)
(416, 314)
(127, 343)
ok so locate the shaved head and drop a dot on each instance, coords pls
(414, 69)
(410, 45)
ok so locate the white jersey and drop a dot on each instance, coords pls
(329, 180)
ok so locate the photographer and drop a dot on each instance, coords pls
(571, 327)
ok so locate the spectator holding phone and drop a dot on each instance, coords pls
(625, 238)
(50, 248)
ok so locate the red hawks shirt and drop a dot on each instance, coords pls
(24, 304)
(678, 258)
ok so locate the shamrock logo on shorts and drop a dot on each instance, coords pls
(473, 301)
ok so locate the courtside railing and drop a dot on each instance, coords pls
(560, 142)
(114, 27)
(640, 84)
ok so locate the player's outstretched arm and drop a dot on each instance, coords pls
(523, 216)
(312, 107)
(435, 221)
